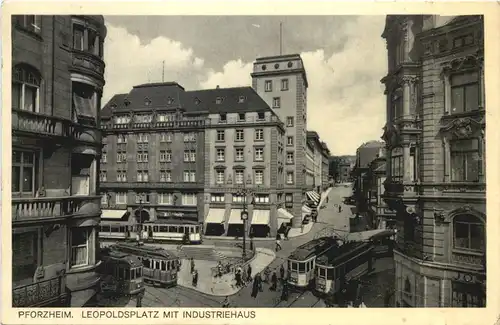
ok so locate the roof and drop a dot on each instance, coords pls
(234, 100)
(171, 95)
(315, 247)
(367, 152)
(136, 250)
(342, 253)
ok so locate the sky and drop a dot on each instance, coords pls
(344, 57)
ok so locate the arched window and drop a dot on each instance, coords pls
(469, 233)
(26, 88)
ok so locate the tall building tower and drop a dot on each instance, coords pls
(282, 82)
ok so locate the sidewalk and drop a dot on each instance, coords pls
(225, 285)
(296, 232)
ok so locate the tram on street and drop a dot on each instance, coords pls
(121, 273)
(342, 264)
(181, 231)
(160, 266)
(302, 262)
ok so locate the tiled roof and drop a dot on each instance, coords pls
(170, 95)
(366, 154)
(233, 100)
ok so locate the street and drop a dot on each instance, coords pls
(330, 222)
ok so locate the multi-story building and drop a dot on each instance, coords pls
(325, 166)
(365, 154)
(57, 81)
(152, 164)
(310, 165)
(244, 162)
(282, 82)
(344, 171)
(436, 167)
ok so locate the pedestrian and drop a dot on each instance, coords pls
(340, 208)
(284, 292)
(326, 200)
(237, 276)
(274, 282)
(258, 278)
(249, 272)
(278, 243)
(267, 275)
(192, 265)
(282, 272)
(195, 278)
(287, 231)
(225, 302)
(219, 269)
(302, 228)
(255, 288)
(251, 243)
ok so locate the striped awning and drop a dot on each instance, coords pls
(261, 217)
(306, 209)
(215, 216)
(284, 214)
(235, 217)
(113, 214)
(313, 196)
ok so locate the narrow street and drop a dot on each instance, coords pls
(330, 222)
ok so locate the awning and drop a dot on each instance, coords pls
(235, 217)
(261, 217)
(113, 214)
(215, 216)
(306, 209)
(284, 214)
(313, 196)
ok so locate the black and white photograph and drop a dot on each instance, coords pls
(255, 161)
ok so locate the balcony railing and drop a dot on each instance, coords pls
(48, 125)
(86, 61)
(30, 209)
(247, 120)
(152, 185)
(186, 123)
(37, 294)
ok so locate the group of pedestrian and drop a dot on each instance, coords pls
(242, 277)
(257, 285)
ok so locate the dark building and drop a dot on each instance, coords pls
(57, 81)
(152, 165)
(436, 176)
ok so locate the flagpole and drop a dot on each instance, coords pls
(281, 38)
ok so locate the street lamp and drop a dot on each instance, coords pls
(244, 215)
(139, 228)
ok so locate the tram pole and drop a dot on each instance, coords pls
(244, 218)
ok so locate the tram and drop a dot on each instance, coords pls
(185, 231)
(302, 262)
(160, 266)
(121, 273)
(341, 264)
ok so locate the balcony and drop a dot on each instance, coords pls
(215, 122)
(38, 209)
(178, 124)
(152, 185)
(52, 126)
(408, 124)
(87, 62)
(38, 294)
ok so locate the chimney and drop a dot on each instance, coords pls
(217, 87)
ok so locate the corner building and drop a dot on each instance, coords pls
(282, 82)
(436, 181)
(244, 149)
(152, 165)
(57, 81)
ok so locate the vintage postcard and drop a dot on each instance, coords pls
(205, 163)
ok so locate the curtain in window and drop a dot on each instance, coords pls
(79, 246)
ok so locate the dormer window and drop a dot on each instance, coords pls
(218, 100)
(223, 118)
(127, 102)
(260, 116)
(241, 99)
(147, 102)
(170, 101)
(197, 101)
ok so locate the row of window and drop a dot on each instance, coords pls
(239, 177)
(189, 176)
(268, 85)
(188, 199)
(465, 162)
(164, 137)
(238, 198)
(239, 154)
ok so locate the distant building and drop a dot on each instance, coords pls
(57, 82)
(436, 176)
(317, 156)
(365, 154)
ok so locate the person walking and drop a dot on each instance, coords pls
(249, 273)
(340, 208)
(274, 282)
(267, 275)
(255, 288)
(225, 302)
(284, 292)
(282, 272)
(237, 276)
(326, 200)
(195, 278)
(192, 265)
(278, 242)
(258, 278)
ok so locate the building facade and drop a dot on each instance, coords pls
(325, 166)
(244, 162)
(436, 168)
(282, 82)
(152, 164)
(57, 81)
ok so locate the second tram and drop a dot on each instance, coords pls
(121, 273)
